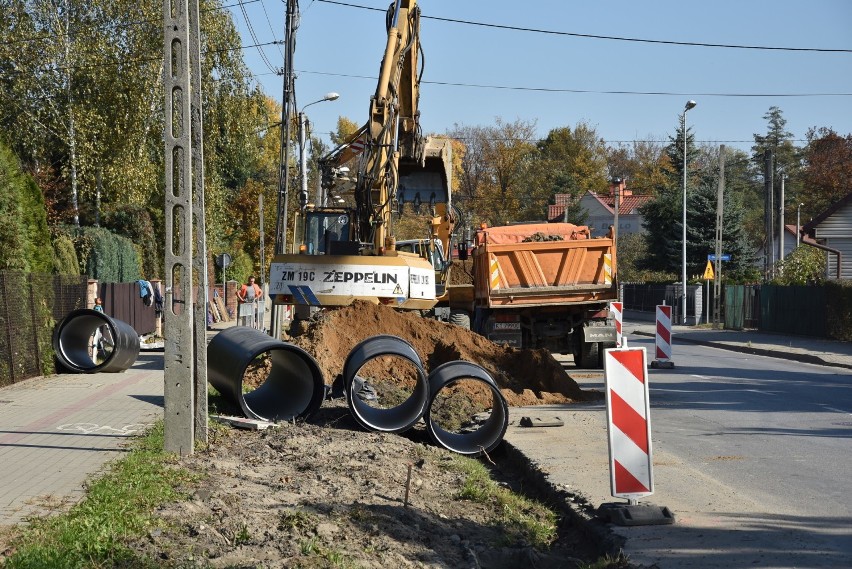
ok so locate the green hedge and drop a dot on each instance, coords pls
(103, 255)
(137, 224)
(65, 261)
(14, 237)
(838, 297)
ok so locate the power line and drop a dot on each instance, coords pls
(269, 22)
(602, 37)
(148, 59)
(651, 140)
(590, 91)
(254, 36)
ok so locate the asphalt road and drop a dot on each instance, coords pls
(772, 441)
(778, 430)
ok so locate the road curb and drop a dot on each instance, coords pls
(573, 506)
(804, 358)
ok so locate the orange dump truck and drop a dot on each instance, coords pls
(545, 285)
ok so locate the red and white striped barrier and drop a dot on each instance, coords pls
(628, 423)
(617, 315)
(663, 357)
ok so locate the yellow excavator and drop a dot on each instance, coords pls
(349, 253)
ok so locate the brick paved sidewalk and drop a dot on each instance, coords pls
(56, 432)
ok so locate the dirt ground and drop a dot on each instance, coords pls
(326, 493)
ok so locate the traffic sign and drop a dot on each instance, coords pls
(723, 257)
(223, 260)
(708, 272)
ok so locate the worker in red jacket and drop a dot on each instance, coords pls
(248, 295)
(249, 292)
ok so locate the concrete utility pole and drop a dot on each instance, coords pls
(781, 220)
(799, 224)
(720, 218)
(768, 227)
(185, 372)
(689, 105)
(616, 195)
(284, 155)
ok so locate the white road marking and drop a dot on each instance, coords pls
(835, 410)
(91, 428)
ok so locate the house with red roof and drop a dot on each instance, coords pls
(601, 209)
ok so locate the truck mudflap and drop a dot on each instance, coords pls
(599, 334)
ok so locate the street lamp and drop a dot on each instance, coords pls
(689, 105)
(303, 155)
(277, 314)
(799, 224)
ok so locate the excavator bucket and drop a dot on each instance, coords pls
(427, 181)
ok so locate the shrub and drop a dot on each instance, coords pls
(804, 265)
(136, 223)
(838, 299)
(13, 235)
(104, 255)
(65, 261)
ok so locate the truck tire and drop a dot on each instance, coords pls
(460, 318)
(590, 355)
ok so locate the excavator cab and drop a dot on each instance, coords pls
(328, 231)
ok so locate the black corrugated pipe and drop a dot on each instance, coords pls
(394, 419)
(490, 433)
(73, 337)
(293, 389)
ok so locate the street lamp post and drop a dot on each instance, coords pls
(689, 105)
(276, 315)
(303, 154)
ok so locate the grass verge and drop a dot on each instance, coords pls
(118, 507)
(522, 518)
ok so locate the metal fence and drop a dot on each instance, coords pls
(741, 306)
(30, 306)
(793, 310)
(643, 297)
(646, 298)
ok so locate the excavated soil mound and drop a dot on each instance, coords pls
(461, 273)
(526, 377)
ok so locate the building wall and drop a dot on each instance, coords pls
(837, 225)
(844, 245)
(836, 232)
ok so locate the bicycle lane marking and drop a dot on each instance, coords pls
(85, 403)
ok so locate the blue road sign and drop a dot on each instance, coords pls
(724, 257)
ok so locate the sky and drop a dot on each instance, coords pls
(476, 70)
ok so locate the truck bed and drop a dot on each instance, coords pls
(536, 273)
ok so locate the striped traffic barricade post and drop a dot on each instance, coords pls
(629, 432)
(663, 343)
(617, 310)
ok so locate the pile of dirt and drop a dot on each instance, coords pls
(461, 272)
(526, 377)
